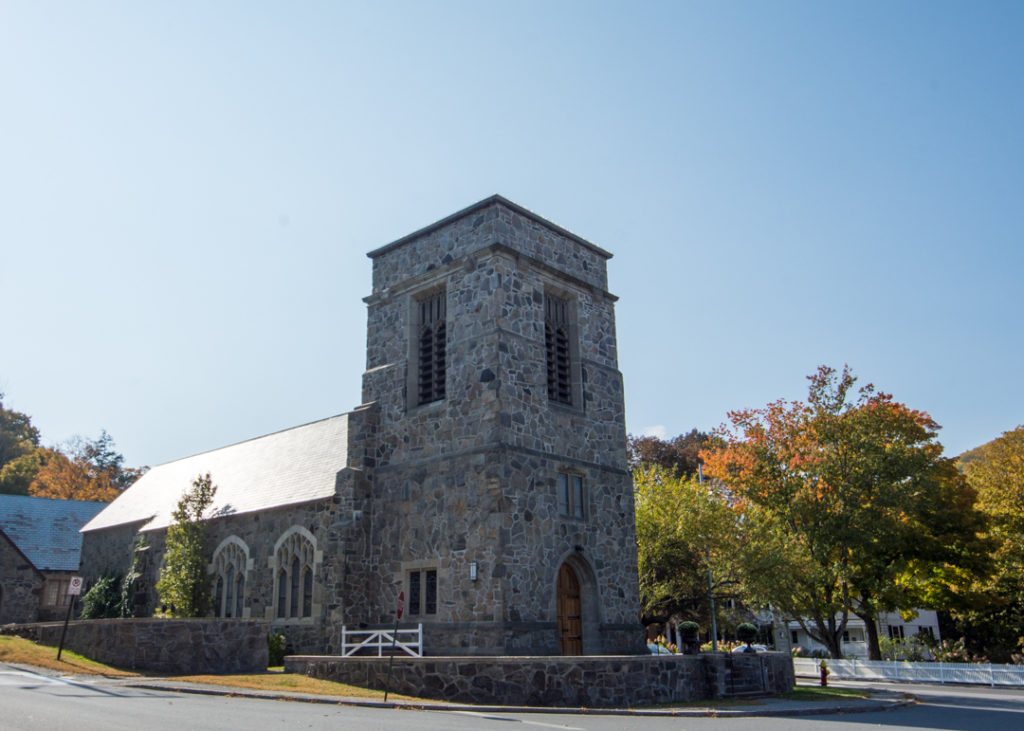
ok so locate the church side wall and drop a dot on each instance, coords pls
(111, 549)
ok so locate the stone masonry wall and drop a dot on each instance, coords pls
(472, 478)
(162, 645)
(259, 532)
(20, 585)
(593, 682)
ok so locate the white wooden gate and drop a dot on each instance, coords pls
(409, 641)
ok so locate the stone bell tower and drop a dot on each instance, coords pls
(499, 499)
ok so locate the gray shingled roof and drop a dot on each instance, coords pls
(287, 467)
(46, 531)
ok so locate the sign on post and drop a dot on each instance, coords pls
(74, 589)
(400, 607)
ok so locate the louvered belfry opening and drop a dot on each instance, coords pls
(431, 351)
(556, 337)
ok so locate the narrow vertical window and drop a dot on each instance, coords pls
(431, 348)
(577, 495)
(229, 600)
(430, 596)
(218, 597)
(563, 494)
(307, 592)
(239, 593)
(556, 340)
(414, 592)
(282, 592)
(569, 489)
(293, 606)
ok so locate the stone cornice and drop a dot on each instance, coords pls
(480, 205)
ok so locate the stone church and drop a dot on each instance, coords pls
(484, 474)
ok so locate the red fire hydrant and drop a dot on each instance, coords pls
(824, 674)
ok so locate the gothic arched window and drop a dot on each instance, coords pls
(295, 557)
(230, 566)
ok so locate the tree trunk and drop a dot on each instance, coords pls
(871, 636)
(829, 634)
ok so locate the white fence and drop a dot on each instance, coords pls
(924, 672)
(359, 641)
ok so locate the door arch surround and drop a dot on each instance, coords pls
(577, 607)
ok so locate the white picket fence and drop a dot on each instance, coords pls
(924, 672)
(355, 640)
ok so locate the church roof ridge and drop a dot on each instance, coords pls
(290, 466)
(253, 439)
(490, 200)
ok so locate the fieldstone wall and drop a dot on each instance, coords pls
(594, 682)
(20, 585)
(161, 645)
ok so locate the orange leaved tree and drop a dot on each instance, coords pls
(858, 480)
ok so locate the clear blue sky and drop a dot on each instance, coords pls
(188, 191)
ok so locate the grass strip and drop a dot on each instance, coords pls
(292, 683)
(817, 693)
(21, 651)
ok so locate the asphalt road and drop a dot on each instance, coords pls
(30, 701)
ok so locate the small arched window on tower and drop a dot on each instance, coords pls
(558, 349)
(431, 346)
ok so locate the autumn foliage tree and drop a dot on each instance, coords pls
(81, 469)
(677, 456)
(856, 480)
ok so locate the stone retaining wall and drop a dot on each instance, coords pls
(595, 682)
(161, 645)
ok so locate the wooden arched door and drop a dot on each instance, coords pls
(570, 612)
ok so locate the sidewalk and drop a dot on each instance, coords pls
(880, 700)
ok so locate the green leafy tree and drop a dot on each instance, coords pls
(18, 441)
(858, 483)
(995, 627)
(685, 530)
(17, 476)
(184, 585)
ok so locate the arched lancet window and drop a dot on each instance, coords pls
(230, 564)
(229, 603)
(239, 595)
(282, 592)
(295, 556)
(293, 608)
(307, 592)
(218, 596)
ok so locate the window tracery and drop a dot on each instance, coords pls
(295, 564)
(230, 566)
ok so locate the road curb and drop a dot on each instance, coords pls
(870, 705)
